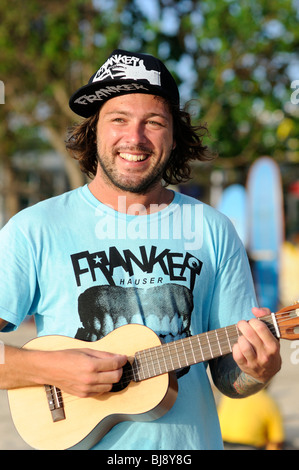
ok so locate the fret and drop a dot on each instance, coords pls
(139, 367)
(184, 351)
(175, 352)
(177, 356)
(218, 343)
(150, 363)
(201, 351)
(135, 371)
(192, 350)
(187, 351)
(238, 333)
(170, 356)
(164, 358)
(157, 360)
(205, 347)
(187, 356)
(146, 362)
(233, 338)
(228, 341)
(209, 344)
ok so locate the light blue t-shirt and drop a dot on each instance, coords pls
(83, 269)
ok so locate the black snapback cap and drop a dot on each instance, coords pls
(124, 73)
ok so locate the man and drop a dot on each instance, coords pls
(125, 249)
(254, 423)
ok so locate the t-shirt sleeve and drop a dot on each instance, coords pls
(18, 279)
(233, 293)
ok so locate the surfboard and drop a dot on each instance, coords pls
(265, 228)
(233, 204)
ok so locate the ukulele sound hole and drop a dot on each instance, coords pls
(125, 378)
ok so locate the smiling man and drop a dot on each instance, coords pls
(135, 141)
(117, 251)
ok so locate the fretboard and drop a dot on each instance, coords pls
(188, 351)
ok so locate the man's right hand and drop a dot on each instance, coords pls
(86, 372)
(81, 372)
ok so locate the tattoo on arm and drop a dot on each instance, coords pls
(231, 380)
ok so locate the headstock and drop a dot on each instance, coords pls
(288, 322)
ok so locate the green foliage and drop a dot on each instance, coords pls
(234, 57)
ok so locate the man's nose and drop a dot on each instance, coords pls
(137, 133)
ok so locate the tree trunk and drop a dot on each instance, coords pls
(75, 176)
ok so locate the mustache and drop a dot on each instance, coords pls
(133, 148)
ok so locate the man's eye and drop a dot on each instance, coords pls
(155, 123)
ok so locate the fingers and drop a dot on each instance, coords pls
(106, 361)
(256, 332)
(245, 351)
(257, 351)
(111, 370)
(260, 312)
(87, 372)
(105, 370)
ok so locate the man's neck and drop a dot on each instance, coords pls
(127, 202)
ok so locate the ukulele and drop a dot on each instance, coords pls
(48, 418)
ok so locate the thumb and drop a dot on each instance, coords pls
(261, 312)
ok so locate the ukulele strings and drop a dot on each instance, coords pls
(224, 337)
(204, 343)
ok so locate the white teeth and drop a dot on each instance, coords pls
(132, 158)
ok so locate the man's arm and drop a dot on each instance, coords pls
(254, 361)
(80, 372)
(231, 380)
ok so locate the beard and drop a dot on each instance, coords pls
(138, 184)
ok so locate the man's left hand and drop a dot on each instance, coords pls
(257, 351)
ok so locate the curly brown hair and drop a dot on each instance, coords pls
(82, 143)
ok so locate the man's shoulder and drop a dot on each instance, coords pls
(209, 212)
(46, 210)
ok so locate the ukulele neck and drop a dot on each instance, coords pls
(191, 350)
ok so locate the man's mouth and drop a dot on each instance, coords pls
(138, 154)
(130, 157)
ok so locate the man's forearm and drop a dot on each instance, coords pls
(230, 380)
(83, 372)
(20, 368)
